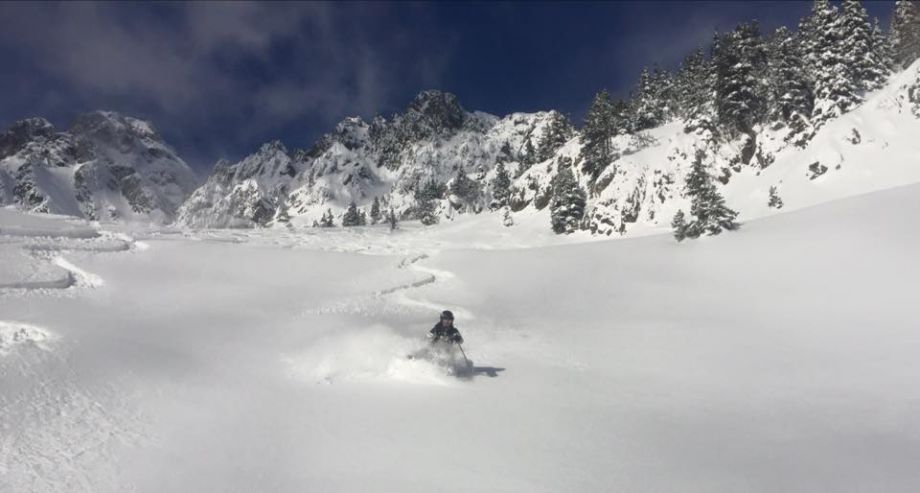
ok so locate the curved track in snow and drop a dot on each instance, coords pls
(32, 255)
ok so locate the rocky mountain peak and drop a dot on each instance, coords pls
(113, 128)
(106, 166)
(273, 147)
(22, 132)
(434, 112)
(352, 132)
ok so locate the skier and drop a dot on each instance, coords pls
(445, 330)
(443, 338)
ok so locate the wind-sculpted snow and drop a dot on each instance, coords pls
(60, 430)
(15, 223)
(13, 334)
(20, 270)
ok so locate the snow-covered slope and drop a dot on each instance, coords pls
(105, 166)
(264, 360)
(871, 148)
(867, 149)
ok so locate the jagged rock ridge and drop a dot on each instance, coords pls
(105, 166)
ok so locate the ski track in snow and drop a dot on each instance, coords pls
(349, 356)
(39, 253)
(377, 352)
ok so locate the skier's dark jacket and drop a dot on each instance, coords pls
(450, 334)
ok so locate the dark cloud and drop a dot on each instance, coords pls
(235, 69)
(219, 78)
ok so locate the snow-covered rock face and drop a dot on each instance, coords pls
(434, 139)
(106, 166)
(245, 193)
(639, 191)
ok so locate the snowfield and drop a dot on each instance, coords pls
(782, 357)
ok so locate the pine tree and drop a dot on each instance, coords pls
(691, 88)
(664, 84)
(283, 216)
(647, 109)
(835, 88)
(507, 220)
(791, 98)
(328, 220)
(739, 64)
(620, 119)
(775, 201)
(679, 225)
(858, 46)
(501, 186)
(391, 218)
(431, 190)
(530, 154)
(700, 111)
(425, 210)
(557, 132)
(567, 203)
(375, 211)
(881, 43)
(905, 32)
(464, 188)
(352, 217)
(596, 150)
(707, 206)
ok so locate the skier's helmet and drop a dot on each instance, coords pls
(447, 315)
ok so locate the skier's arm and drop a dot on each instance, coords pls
(456, 337)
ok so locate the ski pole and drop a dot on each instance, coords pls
(464, 354)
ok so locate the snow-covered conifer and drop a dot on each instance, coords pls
(464, 188)
(328, 220)
(836, 90)
(882, 45)
(391, 218)
(679, 225)
(425, 210)
(558, 131)
(740, 92)
(647, 109)
(596, 150)
(865, 60)
(691, 88)
(375, 211)
(501, 186)
(791, 97)
(709, 213)
(352, 217)
(530, 153)
(507, 220)
(775, 201)
(905, 32)
(567, 204)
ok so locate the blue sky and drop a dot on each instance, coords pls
(219, 79)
